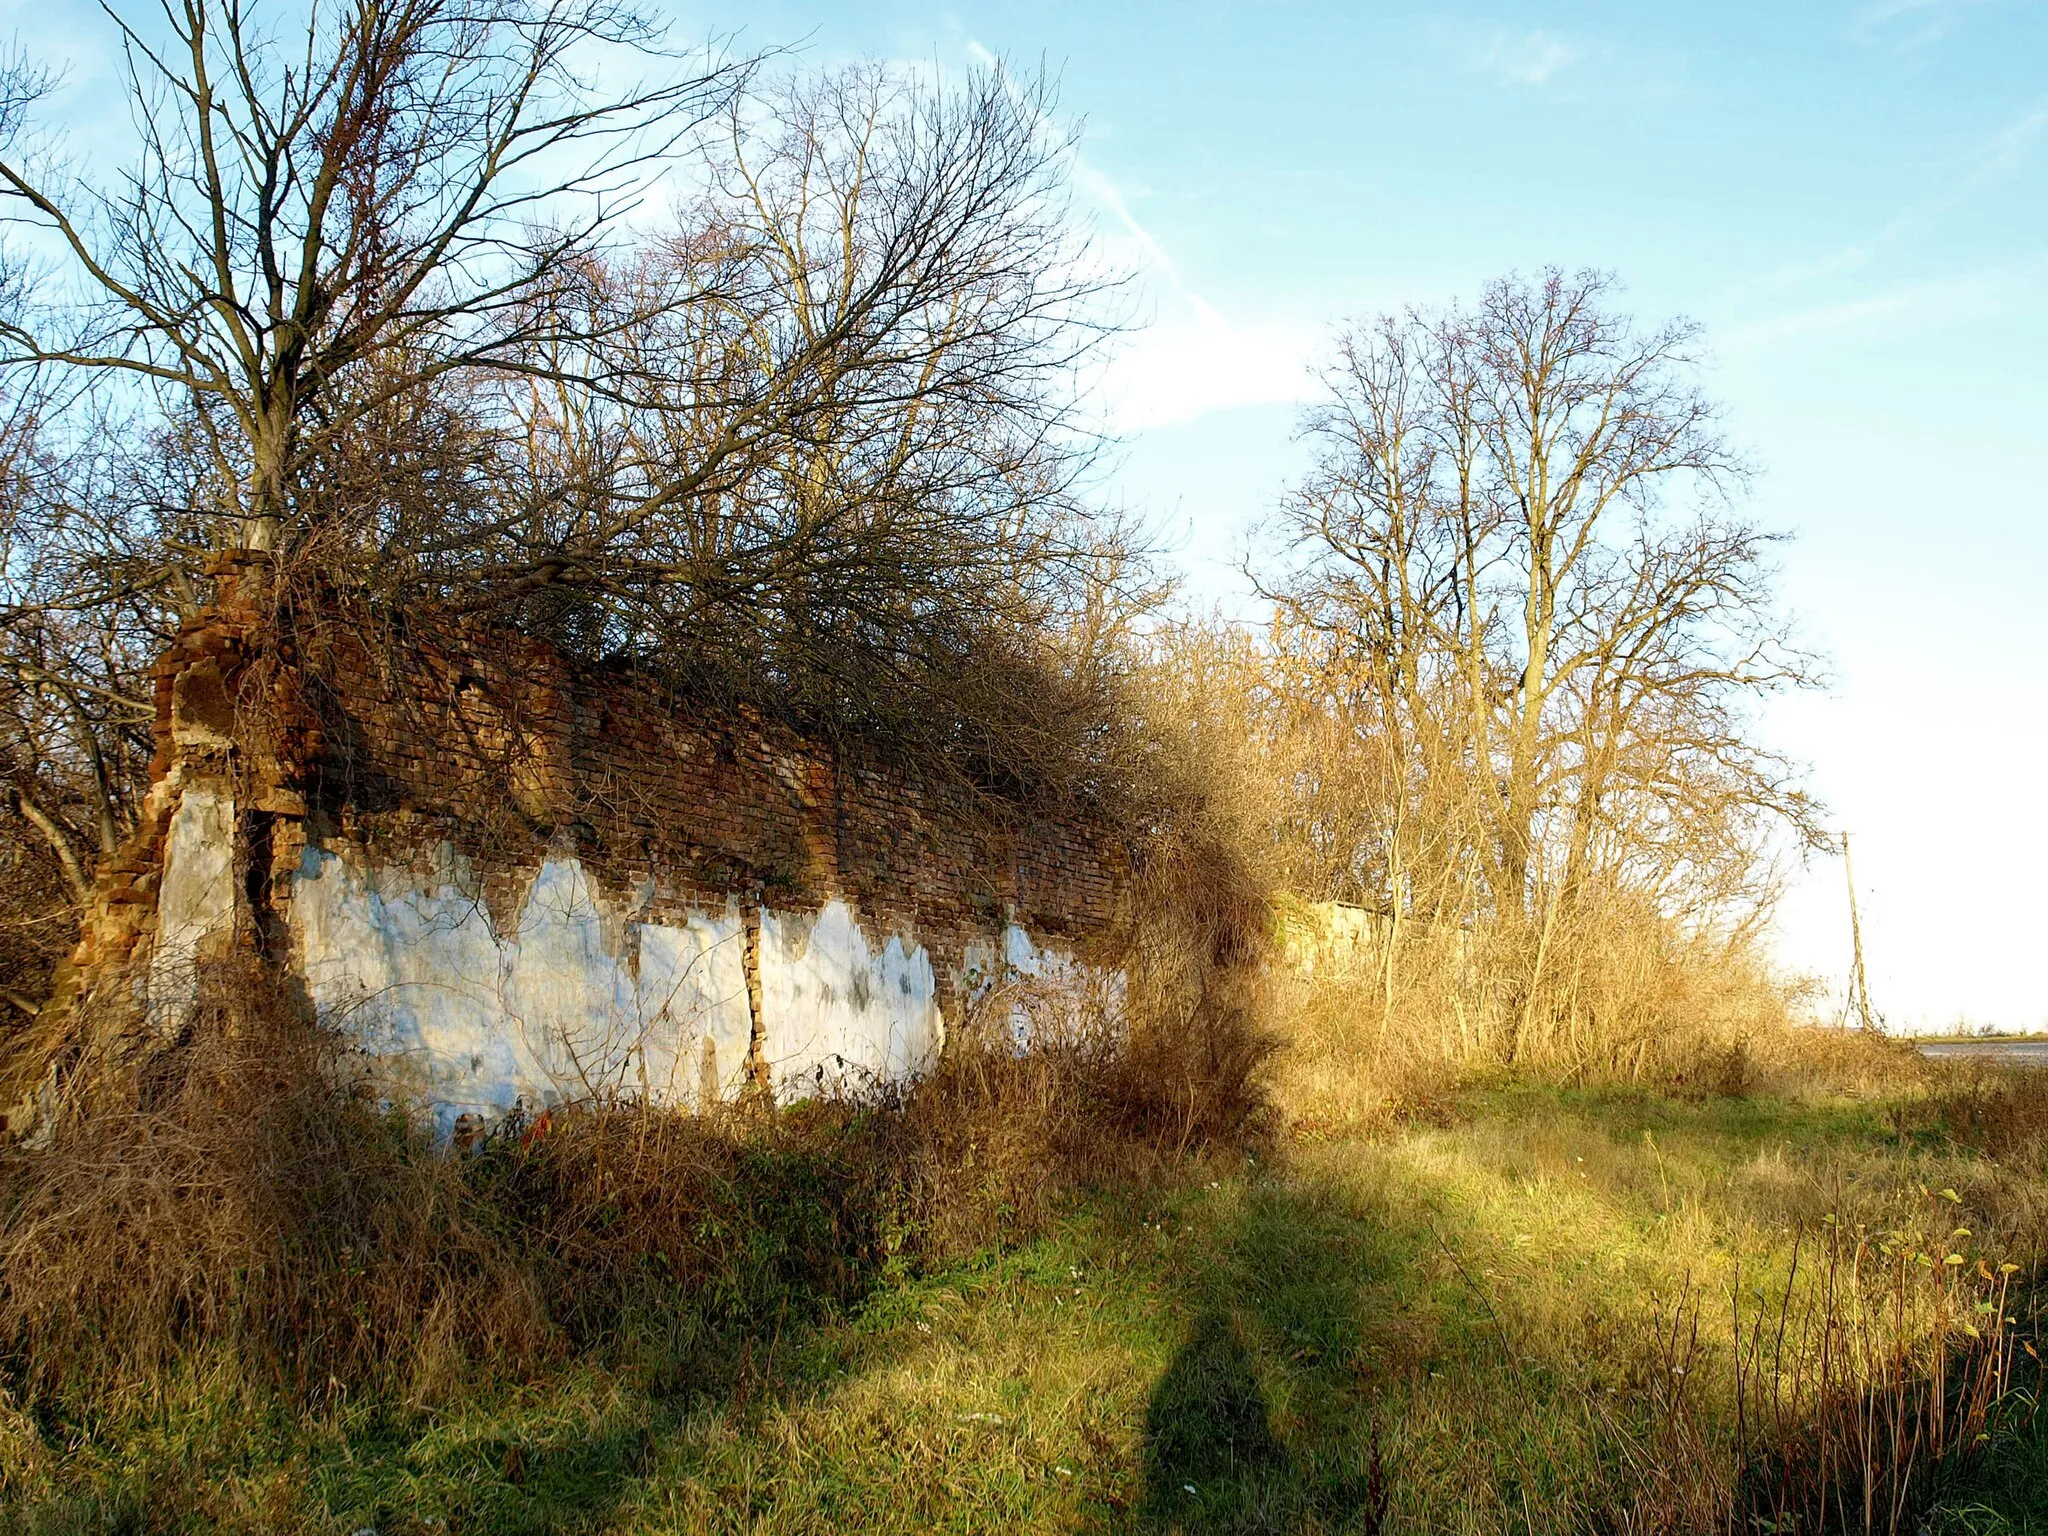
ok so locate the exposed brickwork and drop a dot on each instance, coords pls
(389, 739)
(203, 684)
(499, 743)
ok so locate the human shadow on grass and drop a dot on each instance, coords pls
(1265, 1419)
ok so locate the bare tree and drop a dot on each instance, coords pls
(1515, 557)
(74, 711)
(398, 195)
(367, 304)
(311, 238)
(844, 447)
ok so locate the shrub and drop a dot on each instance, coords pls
(239, 1200)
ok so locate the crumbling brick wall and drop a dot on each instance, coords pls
(502, 744)
(461, 842)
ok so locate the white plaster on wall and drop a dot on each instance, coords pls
(1045, 990)
(579, 998)
(838, 1016)
(579, 1002)
(693, 988)
(196, 903)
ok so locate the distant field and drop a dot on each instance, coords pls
(2025, 1050)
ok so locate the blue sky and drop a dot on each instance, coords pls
(1850, 197)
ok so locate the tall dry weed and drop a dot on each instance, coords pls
(1994, 1109)
(1194, 947)
(1399, 1020)
(239, 1197)
(1888, 1360)
(236, 1189)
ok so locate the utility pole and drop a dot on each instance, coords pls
(1858, 1005)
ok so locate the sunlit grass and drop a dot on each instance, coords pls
(1466, 1327)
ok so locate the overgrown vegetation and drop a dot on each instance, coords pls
(242, 1205)
(1006, 1304)
(370, 308)
(1454, 1160)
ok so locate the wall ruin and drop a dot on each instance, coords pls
(514, 880)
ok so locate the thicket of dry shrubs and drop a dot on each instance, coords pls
(240, 1200)
(239, 1203)
(1637, 1004)
(238, 1206)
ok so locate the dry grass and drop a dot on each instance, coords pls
(1860, 1350)
(1142, 1278)
(2003, 1114)
(238, 1197)
(1460, 1327)
(231, 1192)
(1858, 1389)
(1638, 1010)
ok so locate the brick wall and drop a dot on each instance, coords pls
(322, 787)
(502, 746)
(315, 779)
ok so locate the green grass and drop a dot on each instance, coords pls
(1458, 1328)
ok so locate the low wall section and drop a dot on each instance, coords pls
(518, 880)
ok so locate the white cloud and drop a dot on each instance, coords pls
(1904, 26)
(1187, 365)
(1131, 237)
(1528, 58)
(1992, 161)
(1997, 159)
(1836, 264)
(2007, 150)
(1984, 291)
(1192, 359)
(1148, 253)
